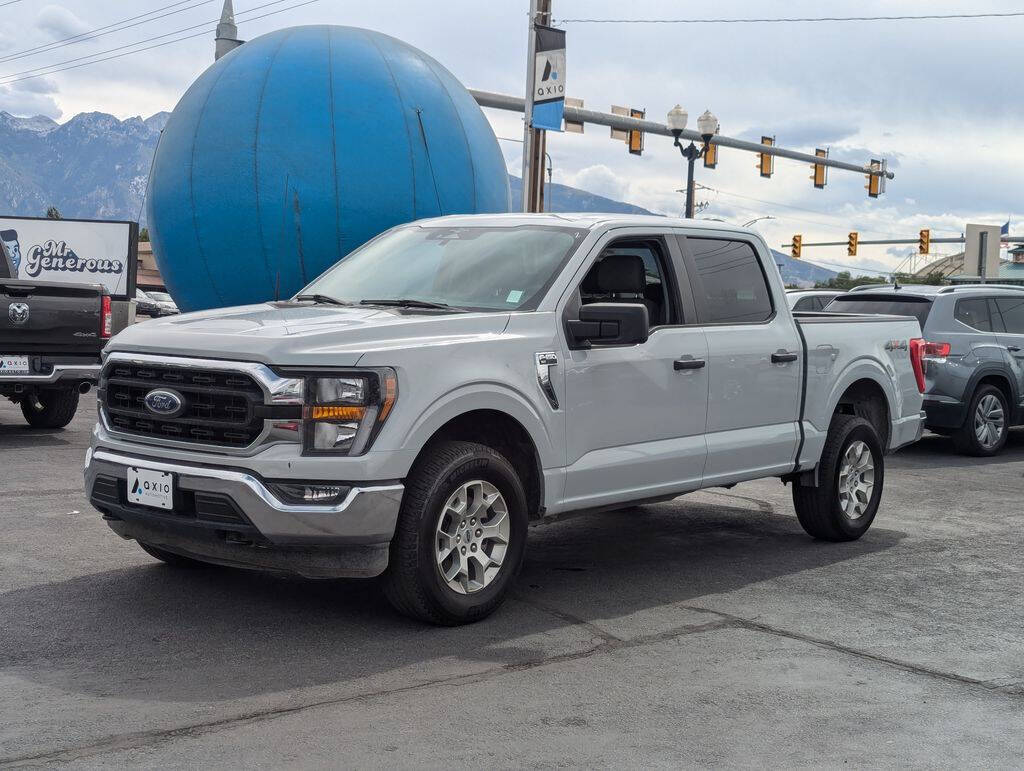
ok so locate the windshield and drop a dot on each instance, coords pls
(470, 268)
(887, 304)
(160, 296)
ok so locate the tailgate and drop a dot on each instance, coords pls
(47, 317)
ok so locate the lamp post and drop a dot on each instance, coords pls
(707, 125)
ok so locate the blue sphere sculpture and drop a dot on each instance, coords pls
(302, 144)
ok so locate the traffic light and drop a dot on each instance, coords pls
(851, 244)
(766, 162)
(876, 180)
(711, 156)
(795, 249)
(819, 176)
(924, 241)
(636, 138)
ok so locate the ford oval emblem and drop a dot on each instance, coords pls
(164, 402)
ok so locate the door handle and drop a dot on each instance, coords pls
(1013, 348)
(783, 358)
(679, 364)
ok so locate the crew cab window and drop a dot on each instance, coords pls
(808, 304)
(974, 313)
(632, 272)
(730, 286)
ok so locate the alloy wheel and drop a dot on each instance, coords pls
(472, 536)
(856, 480)
(989, 422)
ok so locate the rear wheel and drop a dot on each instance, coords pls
(50, 407)
(460, 536)
(984, 431)
(850, 478)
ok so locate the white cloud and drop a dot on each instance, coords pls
(59, 22)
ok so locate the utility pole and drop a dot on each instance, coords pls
(534, 142)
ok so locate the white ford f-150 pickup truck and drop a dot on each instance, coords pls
(413, 410)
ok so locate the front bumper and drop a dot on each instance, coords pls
(230, 516)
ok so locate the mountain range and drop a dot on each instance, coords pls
(97, 166)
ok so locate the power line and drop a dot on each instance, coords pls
(800, 19)
(13, 77)
(9, 2)
(159, 45)
(810, 211)
(105, 30)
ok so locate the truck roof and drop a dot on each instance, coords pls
(588, 220)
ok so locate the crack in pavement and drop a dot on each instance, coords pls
(1013, 688)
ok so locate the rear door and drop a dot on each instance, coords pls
(1010, 313)
(753, 400)
(45, 317)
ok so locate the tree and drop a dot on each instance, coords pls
(53, 213)
(144, 234)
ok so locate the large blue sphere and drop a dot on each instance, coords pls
(301, 145)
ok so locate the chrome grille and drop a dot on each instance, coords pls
(221, 408)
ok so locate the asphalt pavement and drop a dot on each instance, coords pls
(705, 631)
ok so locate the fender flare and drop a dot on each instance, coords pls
(1000, 371)
(866, 368)
(484, 395)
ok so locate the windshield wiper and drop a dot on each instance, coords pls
(405, 302)
(322, 298)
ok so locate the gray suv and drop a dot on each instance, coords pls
(973, 355)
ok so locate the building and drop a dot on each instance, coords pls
(227, 33)
(149, 274)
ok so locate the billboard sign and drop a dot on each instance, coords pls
(71, 251)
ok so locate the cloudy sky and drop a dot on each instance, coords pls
(939, 99)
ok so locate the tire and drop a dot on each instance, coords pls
(821, 509)
(57, 406)
(449, 478)
(988, 412)
(172, 559)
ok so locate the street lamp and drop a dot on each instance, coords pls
(707, 125)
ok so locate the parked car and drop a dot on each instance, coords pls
(147, 306)
(810, 299)
(164, 300)
(51, 335)
(973, 362)
(454, 380)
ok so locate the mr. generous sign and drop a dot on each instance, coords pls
(58, 256)
(70, 252)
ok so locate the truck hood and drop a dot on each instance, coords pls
(301, 334)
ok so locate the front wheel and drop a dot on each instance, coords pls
(50, 407)
(460, 537)
(850, 478)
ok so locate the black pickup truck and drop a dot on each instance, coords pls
(51, 336)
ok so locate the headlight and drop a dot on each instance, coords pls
(344, 414)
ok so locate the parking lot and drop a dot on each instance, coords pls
(709, 630)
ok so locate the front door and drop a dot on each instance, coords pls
(753, 366)
(635, 415)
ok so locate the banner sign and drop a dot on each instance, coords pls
(71, 252)
(549, 79)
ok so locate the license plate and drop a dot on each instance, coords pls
(150, 488)
(13, 365)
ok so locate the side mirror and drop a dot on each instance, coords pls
(609, 324)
